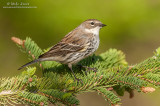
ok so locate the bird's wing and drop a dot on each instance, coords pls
(61, 49)
(75, 41)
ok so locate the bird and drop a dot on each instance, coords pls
(78, 44)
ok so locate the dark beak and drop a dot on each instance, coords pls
(103, 25)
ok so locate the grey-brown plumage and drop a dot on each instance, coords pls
(75, 46)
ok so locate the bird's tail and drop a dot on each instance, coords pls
(32, 62)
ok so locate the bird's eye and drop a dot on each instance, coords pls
(92, 23)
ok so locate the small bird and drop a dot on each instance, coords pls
(75, 46)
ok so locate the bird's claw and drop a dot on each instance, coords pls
(93, 69)
(89, 68)
(79, 80)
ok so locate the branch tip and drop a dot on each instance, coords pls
(115, 105)
(110, 88)
(41, 104)
(6, 92)
(30, 79)
(131, 94)
(147, 89)
(18, 41)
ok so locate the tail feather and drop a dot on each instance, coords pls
(32, 62)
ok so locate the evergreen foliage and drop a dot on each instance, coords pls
(57, 85)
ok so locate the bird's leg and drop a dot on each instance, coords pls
(80, 66)
(70, 67)
(88, 68)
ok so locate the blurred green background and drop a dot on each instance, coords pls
(133, 27)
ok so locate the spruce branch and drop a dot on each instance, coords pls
(57, 85)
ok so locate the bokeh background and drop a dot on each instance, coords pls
(133, 27)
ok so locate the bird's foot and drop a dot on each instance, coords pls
(78, 80)
(88, 69)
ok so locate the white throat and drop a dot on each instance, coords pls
(95, 30)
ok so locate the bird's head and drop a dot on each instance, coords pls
(92, 25)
